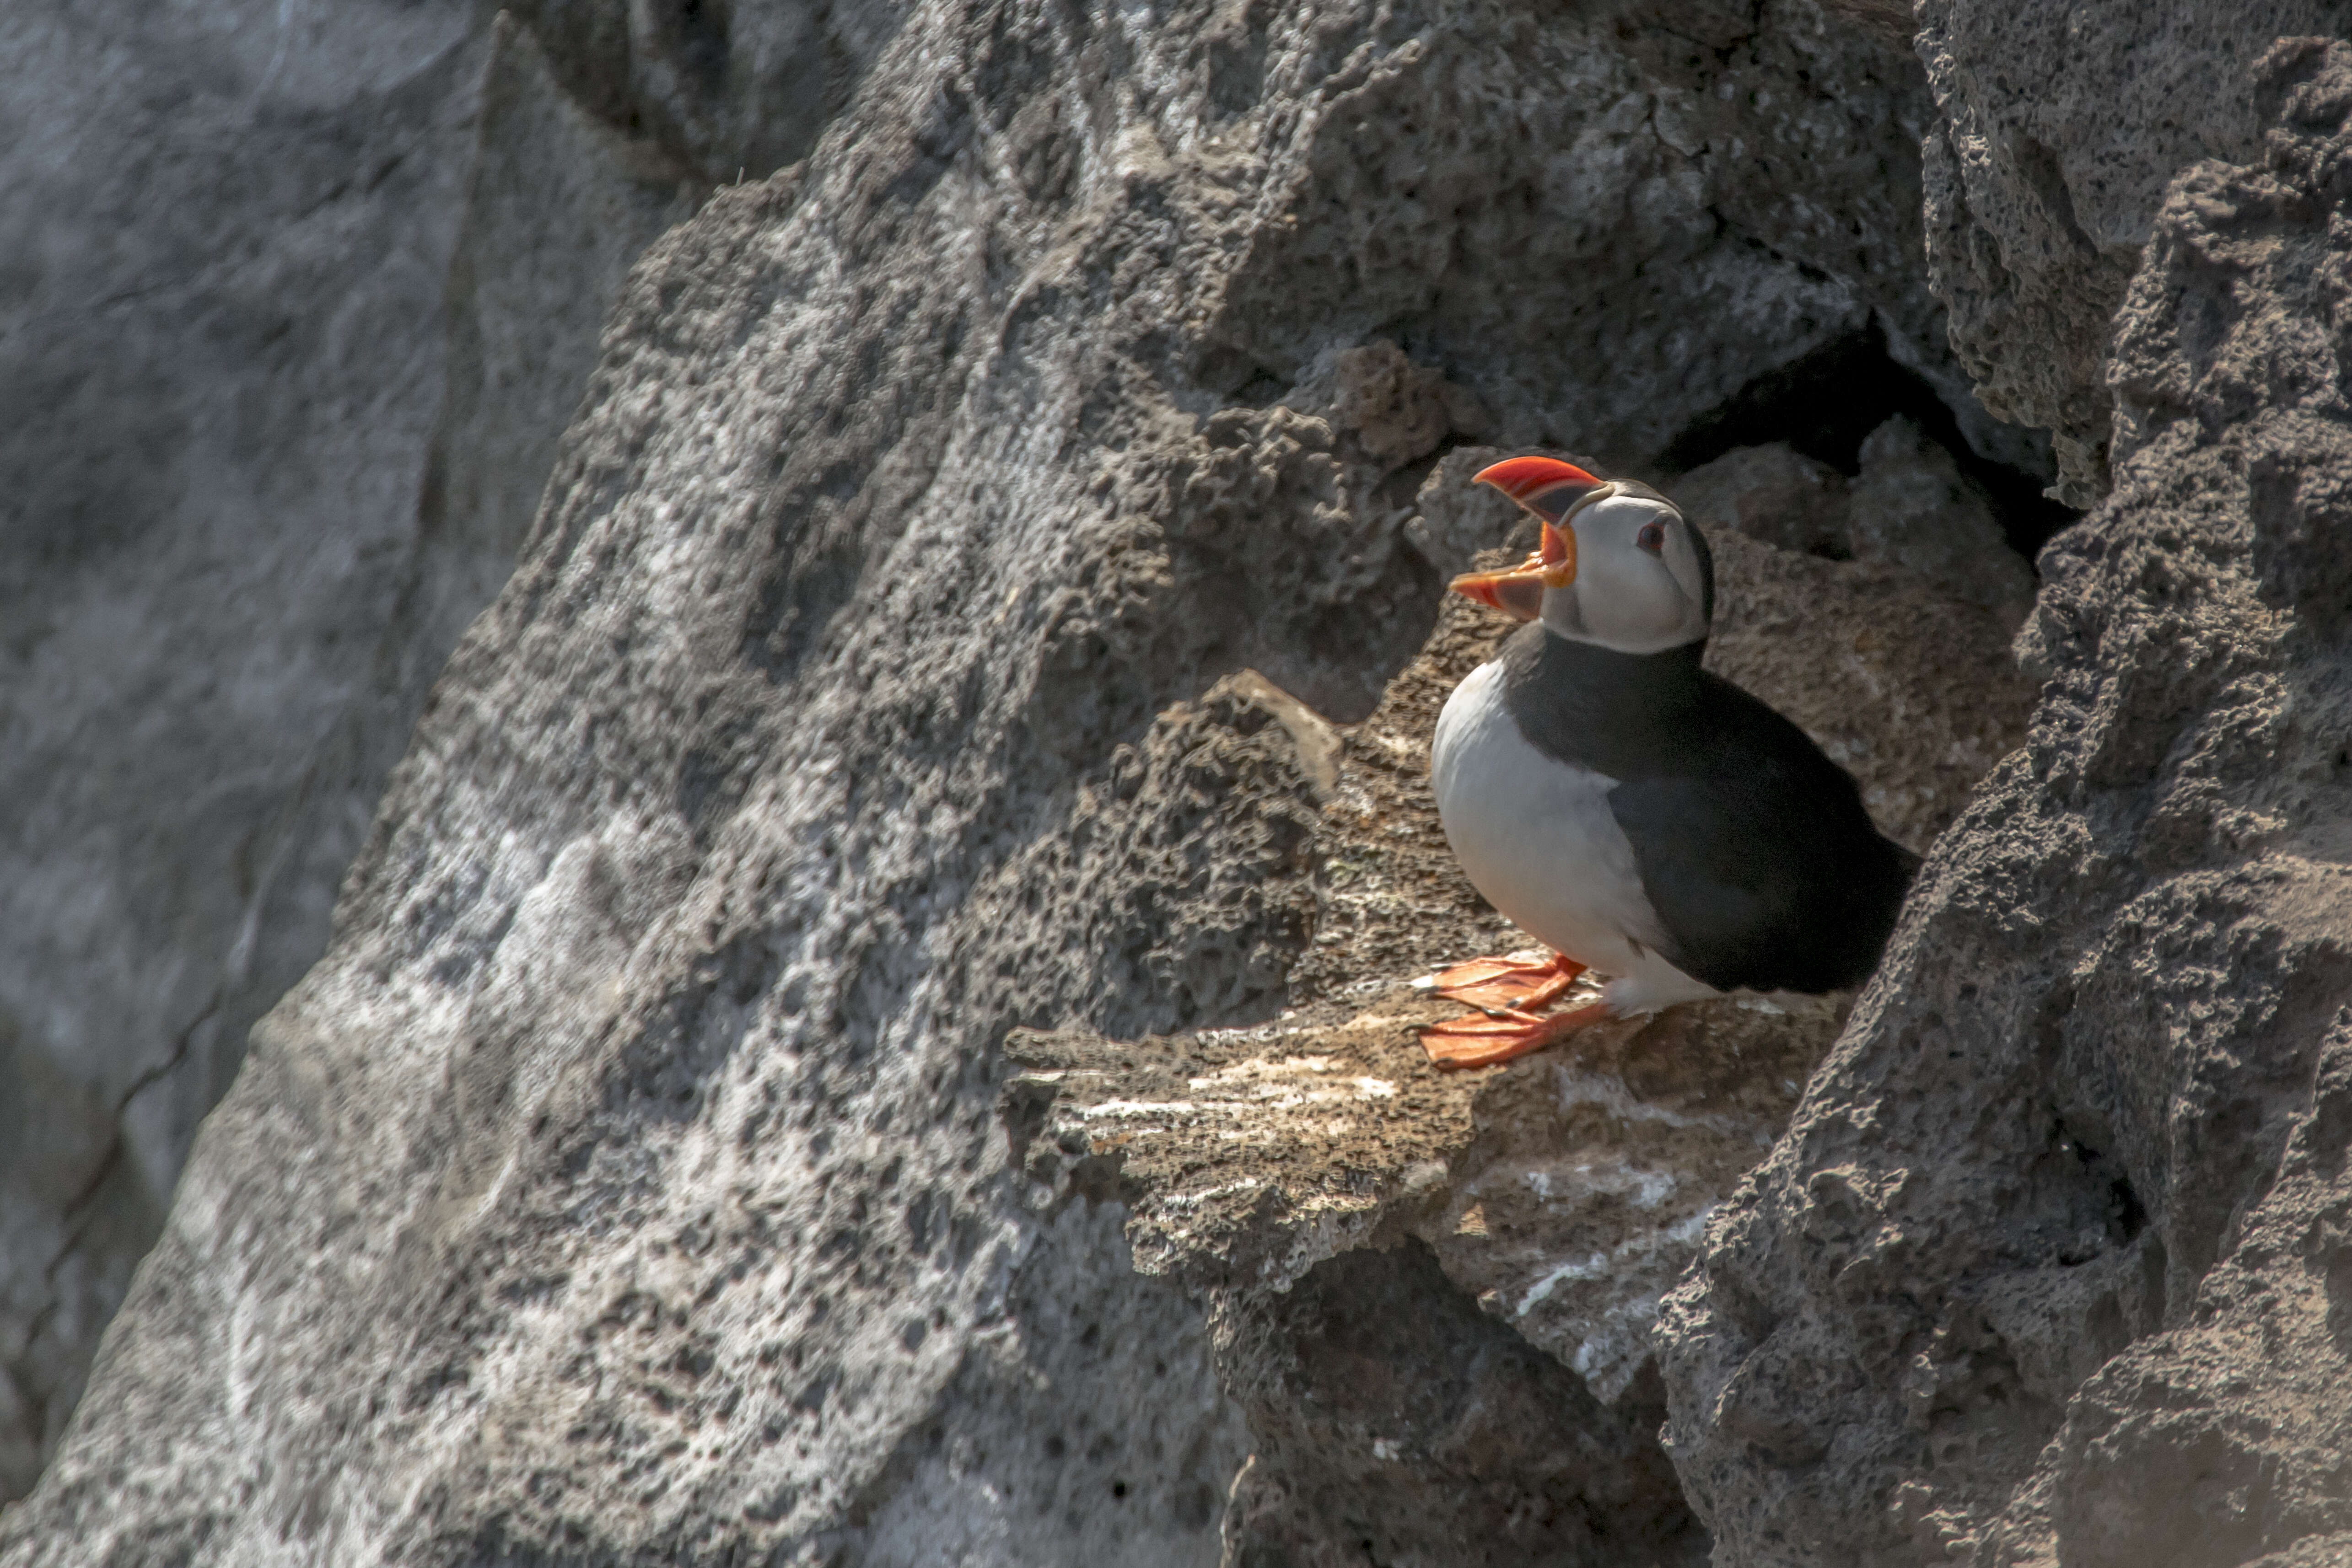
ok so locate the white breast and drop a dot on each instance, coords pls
(1535, 836)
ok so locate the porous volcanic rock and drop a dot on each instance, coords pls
(2050, 1266)
(623, 1183)
(297, 308)
(2059, 127)
(1339, 1204)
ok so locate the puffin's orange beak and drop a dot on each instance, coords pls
(1519, 591)
(1550, 489)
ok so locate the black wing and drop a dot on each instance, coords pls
(1757, 856)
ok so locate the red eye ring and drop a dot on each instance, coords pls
(1652, 538)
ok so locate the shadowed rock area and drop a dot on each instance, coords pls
(1395, 1423)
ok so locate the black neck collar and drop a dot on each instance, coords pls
(1624, 715)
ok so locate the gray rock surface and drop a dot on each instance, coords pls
(296, 304)
(1911, 507)
(1431, 1293)
(2050, 1265)
(278, 439)
(220, 391)
(732, 91)
(2059, 127)
(622, 1180)
(627, 1182)
(1394, 1422)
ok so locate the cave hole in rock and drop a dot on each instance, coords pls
(1262, 389)
(2124, 1214)
(1824, 403)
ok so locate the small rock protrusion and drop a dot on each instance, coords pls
(1399, 411)
(1773, 493)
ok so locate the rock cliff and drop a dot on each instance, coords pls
(295, 307)
(2048, 1265)
(2058, 129)
(870, 1023)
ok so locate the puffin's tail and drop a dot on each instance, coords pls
(1874, 897)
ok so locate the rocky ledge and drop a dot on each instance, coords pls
(1382, 1246)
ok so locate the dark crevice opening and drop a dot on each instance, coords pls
(1826, 403)
(2126, 1215)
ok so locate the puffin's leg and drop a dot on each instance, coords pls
(1482, 1042)
(1511, 982)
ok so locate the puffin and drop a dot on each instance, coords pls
(1644, 818)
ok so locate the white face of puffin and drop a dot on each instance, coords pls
(1618, 567)
(1639, 586)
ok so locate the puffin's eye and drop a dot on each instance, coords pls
(1652, 538)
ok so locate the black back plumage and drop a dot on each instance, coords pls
(1752, 846)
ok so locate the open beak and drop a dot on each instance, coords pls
(1551, 490)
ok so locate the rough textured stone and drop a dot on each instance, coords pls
(1341, 1204)
(1394, 1422)
(2059, 125)
(2048, 1265)
(1563, 1193)
(622, 1181)
(1399, 411)
(299, 300)
(1566, 203)
(625, 1185)
(219, 408)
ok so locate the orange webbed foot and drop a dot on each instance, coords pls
(1521, 980)
(1485, 1040)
